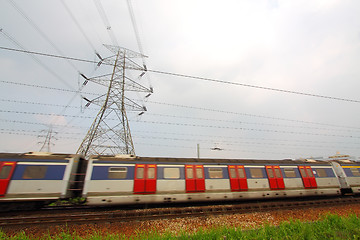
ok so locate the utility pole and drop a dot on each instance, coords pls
(110, 134)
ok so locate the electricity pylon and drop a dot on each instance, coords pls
(48, 140)
(110, 134)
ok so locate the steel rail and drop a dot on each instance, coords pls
(171, 212)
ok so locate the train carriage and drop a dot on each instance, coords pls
(40, 177)
(129, 179)
(348, 172)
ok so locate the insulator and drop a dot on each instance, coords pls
(99, 63)
(88, 104)
(151, 90)
(142, 74)
(86, 81)
(144, 108)
(84, 76)
(145, 68)
(97, 54)
(86, 99)
(141, 113)
(148, 95)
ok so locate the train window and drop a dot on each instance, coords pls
(309, 172)
(241, 172)
(151, 173)
(270, 173)
(215, 173)
(321, 172)
(5, 171)
(233, 173)
(140, 173)
(199, 173)
(278, 173)
(355, 172)
(172, 173)
(189, 173)
(34, 172)
(117, 172)
(289, 172)
(256, 173)
(302, 171)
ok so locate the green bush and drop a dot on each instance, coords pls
(330, 227)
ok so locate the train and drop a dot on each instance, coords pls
(37, 179)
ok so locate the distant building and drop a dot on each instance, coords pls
(337, 156)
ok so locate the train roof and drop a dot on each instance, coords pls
(127, 158)
(38, 155)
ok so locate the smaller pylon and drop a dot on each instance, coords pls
(48, 140)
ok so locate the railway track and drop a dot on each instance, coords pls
(163, 213)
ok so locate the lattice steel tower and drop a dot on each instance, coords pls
(110, 134)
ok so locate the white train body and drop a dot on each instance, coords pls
(123, 180)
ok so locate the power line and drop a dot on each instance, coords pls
(195, 125)
(184, 117)
(45, 87)
(77, 24)
(250, 115)
(246, 129)
(198, 108)
(202, 78)
(253, 86)
(35, 59)
(106, 22)
(227, 138)
(35, 26)
(237, 143)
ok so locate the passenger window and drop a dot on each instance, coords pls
(140, 173)
(278, 173)
(321, 172)
(241, 173)
(151, 173)
(256, 173)
(117, 172)
(215, 173)
(199, 173)
(5, 171)
(309, 172)
(355, 172)
(303, 173)
(189, 173)
(270, 173)
(232, 173)
(34, 172)
(289, 172)
(172, 173)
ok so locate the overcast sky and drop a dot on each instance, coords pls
(310, 47)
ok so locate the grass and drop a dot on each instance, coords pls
(331, 227)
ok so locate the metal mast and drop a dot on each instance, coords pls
(110, 134)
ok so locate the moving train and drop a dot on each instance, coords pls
(41, 178)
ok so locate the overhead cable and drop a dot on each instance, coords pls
(203, 78)
(194, 125)
(199, 108)
(77, 24)
(36, 59)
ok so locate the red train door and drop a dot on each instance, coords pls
(145, 178)
(307, 177)
(276, 180)
(194, 178)
(6, 171)
(237, 175)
